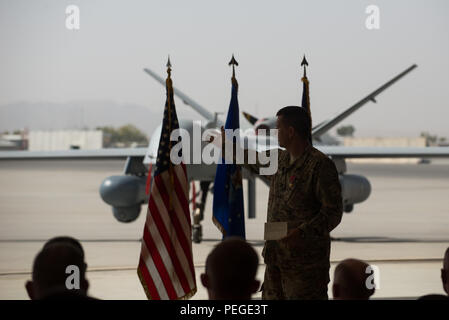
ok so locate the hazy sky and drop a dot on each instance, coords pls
(41, 60)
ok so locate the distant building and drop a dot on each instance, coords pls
(65, 140)
(6, 145)
(385, 142)
(14, 141)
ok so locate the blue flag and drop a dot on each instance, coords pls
(228, 211)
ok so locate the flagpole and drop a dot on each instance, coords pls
(305, 93)
(234, 63)
(165, 268)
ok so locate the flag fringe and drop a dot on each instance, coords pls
(144, 285)
(219, 226)
(189, 294)
(147, 293)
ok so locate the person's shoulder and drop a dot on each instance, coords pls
(69, 295)
(434, 297)
(322, 161)
(282, 154)
(319, 156)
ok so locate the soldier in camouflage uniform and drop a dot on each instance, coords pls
(305, 192)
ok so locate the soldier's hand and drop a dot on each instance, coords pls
(218, 138)
(215, 136)
(223, 138)
(294, 240)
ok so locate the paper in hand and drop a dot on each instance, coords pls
(275, 230)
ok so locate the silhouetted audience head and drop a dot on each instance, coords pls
(231, 270)
(67, 240)
(445, 272)
(58, 272)
(434, 297)
(350, 281)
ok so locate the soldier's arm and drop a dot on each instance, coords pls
(252, 162)
(328, 192)
(257, 166)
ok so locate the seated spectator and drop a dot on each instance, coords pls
(350, 281)
(445, 272)
(434, 297)
(68, 240)
(231, 270)
(444, 280)
(51, 277)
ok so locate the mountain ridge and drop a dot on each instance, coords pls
(76, 115)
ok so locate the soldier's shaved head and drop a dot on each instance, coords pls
(49, 270)
(297, 118)
(445, 271)
(66, 240)
(350, 280)
(231, 269)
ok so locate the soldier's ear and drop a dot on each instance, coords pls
(255, 286)
(335, 291)
(291, 131)
(30, 290)
(85, 285)
(444, 276)
(205, 280)
(371, 292)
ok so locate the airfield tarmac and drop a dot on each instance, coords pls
(403, 228)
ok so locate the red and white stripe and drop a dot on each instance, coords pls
(166, 263)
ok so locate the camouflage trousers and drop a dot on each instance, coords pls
(290, 281)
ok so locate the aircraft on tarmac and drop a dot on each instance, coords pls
(127, 192)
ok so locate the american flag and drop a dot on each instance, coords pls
(166, 264)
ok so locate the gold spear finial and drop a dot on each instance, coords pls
(234, 63)
(305, 94)
(305, 64)
(168, 66)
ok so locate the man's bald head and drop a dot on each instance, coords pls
(445, 272)
(49, 270)
(231, 269)
(65, 240)
(350, 280)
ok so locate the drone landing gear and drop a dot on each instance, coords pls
(198, 213)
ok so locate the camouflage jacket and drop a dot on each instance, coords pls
(307, 195)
